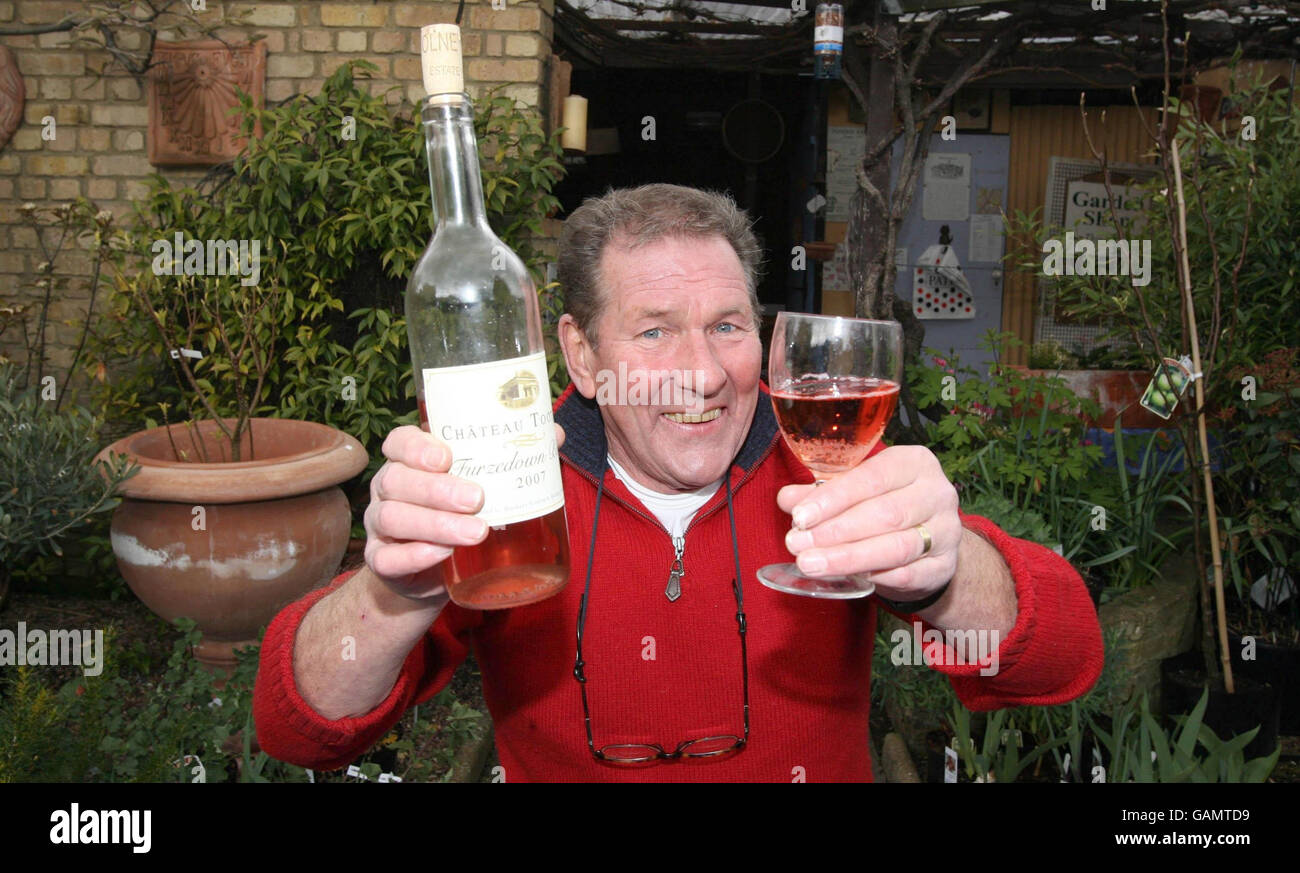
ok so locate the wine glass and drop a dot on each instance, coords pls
(834, 384)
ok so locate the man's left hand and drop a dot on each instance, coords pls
(865, 521)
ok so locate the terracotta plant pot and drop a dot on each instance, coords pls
(228, 544)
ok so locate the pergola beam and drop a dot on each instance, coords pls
(1132, 27)
(737, 27)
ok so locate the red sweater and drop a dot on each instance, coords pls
(666, 672)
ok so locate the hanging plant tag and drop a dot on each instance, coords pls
(1167, 386)
(198, 771)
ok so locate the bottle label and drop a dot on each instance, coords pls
(497, 419)
(828, 35)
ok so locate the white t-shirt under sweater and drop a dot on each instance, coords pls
(675, 510)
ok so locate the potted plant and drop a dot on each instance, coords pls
(230, 516)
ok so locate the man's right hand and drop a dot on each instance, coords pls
(418, 513)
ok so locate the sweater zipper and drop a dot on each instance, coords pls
(678, 569)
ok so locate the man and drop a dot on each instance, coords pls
(672, 506)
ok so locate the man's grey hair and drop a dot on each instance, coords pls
(635, 217)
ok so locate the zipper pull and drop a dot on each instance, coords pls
(677, 571)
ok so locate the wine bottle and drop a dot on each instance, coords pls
(480, 366)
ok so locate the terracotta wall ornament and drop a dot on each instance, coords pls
(192, 88)
(12, 95)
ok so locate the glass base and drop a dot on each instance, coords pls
(787, 578)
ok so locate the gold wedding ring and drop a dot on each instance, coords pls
(926, 541)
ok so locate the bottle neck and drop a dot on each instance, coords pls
(453, 160)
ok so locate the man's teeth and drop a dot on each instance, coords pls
(685, 418)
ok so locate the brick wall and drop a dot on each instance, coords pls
(98, 150)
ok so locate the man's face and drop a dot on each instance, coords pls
(676, 314)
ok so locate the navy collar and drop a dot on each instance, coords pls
(585, 445)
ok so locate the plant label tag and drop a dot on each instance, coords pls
(950, 762)
(1167, 386)
(198, 771)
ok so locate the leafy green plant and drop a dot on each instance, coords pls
(1014, 520)
(1138, 748)
(911, 687)
(427, 748)
(1141, 750)
(1051, 355)
(1153, 492)
(106, 728)
(30, 715)
(47, 460)
(1049, 728)
(142, 722)
(998, 758)
(1071, 768)
(1036, 417)
(50, 484)
(925, 697)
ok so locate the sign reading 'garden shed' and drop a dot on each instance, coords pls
(1089, 213)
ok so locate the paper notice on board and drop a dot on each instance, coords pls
(835, 272)
(986, 238)
(845, 148)
(946, 195)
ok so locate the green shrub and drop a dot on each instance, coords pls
(110, 728)
(1015, 521)
(50, 486)
(976, 410)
